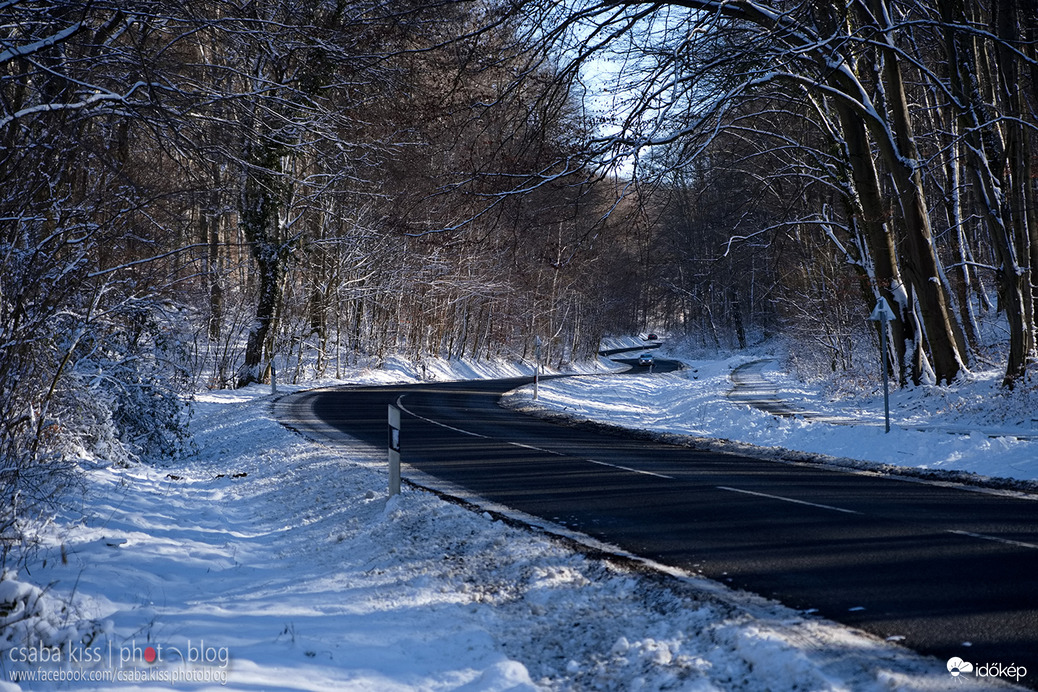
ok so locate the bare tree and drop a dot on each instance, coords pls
(89, 340)
(697, 68)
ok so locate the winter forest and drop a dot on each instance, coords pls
(204, 194)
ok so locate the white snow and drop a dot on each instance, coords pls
(974, 427)
(275, 563)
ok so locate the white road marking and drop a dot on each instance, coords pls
(996, 539)
(971, 534)
(788, 499)
(401, 406)
(627, 468)
(536, 449)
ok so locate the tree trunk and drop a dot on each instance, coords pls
(212, 222)
(919, 259)
(261, 204)
(880, 242)
(980, 144)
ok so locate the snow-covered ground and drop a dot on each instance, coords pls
(974, 428)
(265, 561)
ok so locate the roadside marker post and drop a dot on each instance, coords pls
(537, 365)
(883, 314)
(394, 451)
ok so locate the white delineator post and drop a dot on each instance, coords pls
(537, 364)
(394, 451)
(883, 314)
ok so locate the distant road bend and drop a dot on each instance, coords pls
(952, 571)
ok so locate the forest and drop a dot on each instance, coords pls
(205, 194)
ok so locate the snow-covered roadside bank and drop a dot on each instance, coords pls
(276, 563)
(972, 428)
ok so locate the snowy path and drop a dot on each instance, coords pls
(752, 387)
(749, 386)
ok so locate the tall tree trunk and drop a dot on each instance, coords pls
(880, 242)
(981, 145)
(212, 221)
(260, 207)
(919, 260)
(1020, 194)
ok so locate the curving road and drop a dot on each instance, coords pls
(944, 570)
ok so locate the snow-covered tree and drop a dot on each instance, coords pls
(687, 72)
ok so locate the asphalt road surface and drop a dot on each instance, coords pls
(947, 571)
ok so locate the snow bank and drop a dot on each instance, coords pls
(973, 427)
